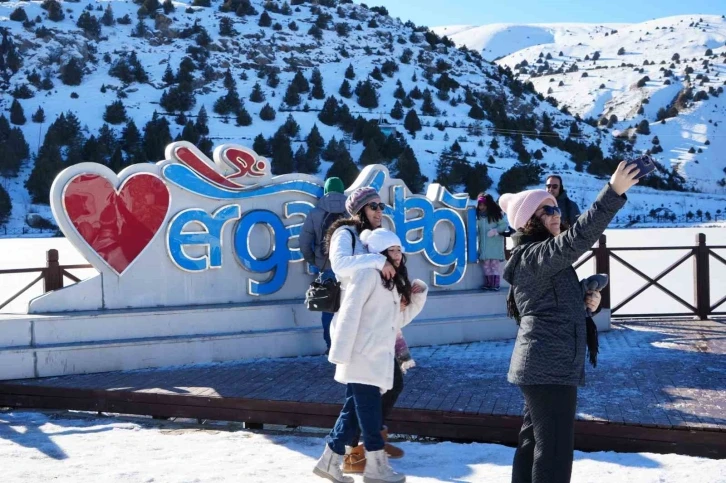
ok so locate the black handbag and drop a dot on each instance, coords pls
(323, 295)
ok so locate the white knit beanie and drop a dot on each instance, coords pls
(380, 240)
(520, 207)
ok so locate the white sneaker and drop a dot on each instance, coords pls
(378, 470)
(329, 466)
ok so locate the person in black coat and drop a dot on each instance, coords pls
(548, 302)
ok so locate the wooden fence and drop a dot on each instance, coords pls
(700, 254)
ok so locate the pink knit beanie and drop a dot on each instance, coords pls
(520, 207)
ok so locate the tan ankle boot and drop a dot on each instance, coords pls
(393, 452)
(355, 461)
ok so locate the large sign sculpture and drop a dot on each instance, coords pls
(193, 231)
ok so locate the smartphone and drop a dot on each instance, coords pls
(645, 164)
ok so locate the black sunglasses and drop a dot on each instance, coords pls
(551, 210)
(553, 186)
(375, 206)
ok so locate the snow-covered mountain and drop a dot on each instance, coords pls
(498, 40)
(663, 77)
(272, 45)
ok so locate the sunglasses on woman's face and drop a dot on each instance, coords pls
(551, 210)
(376, 206)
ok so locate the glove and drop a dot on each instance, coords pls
(492, 232)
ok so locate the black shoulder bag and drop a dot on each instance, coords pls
(323, 295)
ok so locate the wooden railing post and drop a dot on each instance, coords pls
(602, 265)
(702, 295)
(53, 274)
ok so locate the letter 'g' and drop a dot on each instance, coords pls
(278, 254)
(210, 237)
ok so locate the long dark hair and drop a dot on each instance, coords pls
(494, 211)
(400, 280)
(359, 221)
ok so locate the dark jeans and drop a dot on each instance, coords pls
(547, 438)
(361, 412)
(327, 317)
(388, 400)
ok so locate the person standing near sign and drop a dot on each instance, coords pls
(491, 226)
(330, 208)
(348, 255)
(546, 299)
(363, 343)
(570, 210)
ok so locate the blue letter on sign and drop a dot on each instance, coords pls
(279, 254)
(210, 237)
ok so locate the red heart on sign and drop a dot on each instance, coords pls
(117, 224)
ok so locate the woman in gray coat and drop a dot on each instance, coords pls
(548, 302)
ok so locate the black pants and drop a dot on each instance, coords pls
(547, 438)
(388, 400)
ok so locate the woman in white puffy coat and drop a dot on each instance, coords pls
(363, 336)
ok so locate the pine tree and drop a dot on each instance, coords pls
(267, 113)
(55, 10)
(330, 153)
(292, 96)
(265, 20)
(343, 167)
(397, 111)
(400, 92)
(17, 116)
(39, 116)
(291, 128)
(168, 7)
(168, 77)
(226, 27)
(261, 146)
(408, 170)
(307, 162)
(350, 72)
(156, 137)
(201, 124)
(243, 117)
(273, 79)
(71, 73)
(257, 95)
(300, 159)
(130, 137)
(108, 19)
(282, 157)
(189, 133)
(428, 108)
(115, 113)
(412, 123)
(367, 95)
(371, 154)
(314, 141)
(476, 112)
(301, 82)
(318, 92)
(117, 162)
(345, 89)
(643, 127)
(48, 163)
(328, 114)
(6, 206)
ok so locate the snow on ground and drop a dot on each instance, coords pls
(30, 252)
(37, 447)
(501, 39)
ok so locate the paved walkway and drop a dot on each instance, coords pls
(651, 373)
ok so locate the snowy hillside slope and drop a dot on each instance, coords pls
(642, 69)
(501, 39)
(251, 52)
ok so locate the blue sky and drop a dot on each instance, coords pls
(437, 12)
